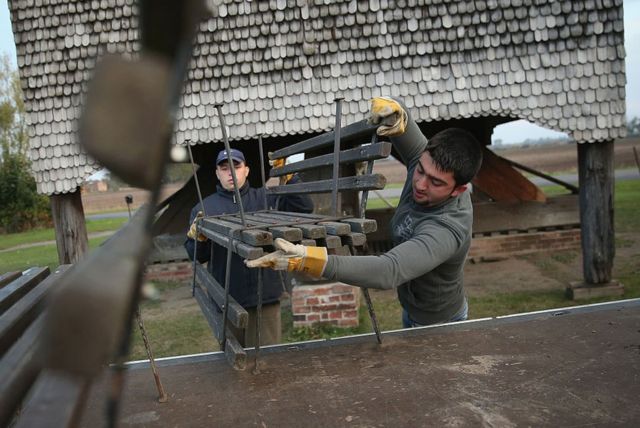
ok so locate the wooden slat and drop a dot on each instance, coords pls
(502, 182)
(361, 225)
(18, 317)
(10, 293)
(285, 232)
(331, 241)
(355, 239)
(336, 227)
(6, 278)
(522, 216)
(56, 400)
(235, 354)
(18, 370)
(236, 313)
(358, 154)
(358, 131)
(240, 248)
(250, 237)
(359, 182)
(309, 230)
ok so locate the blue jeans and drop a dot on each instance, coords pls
(407, 322)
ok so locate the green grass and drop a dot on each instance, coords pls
(44, 255)
(373, 204)
(41, 235)
(182, 334)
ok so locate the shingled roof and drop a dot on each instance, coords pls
(277, 65)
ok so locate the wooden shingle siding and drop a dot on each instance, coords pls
(276, 66)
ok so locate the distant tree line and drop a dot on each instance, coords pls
(633, 127)
(21, 206)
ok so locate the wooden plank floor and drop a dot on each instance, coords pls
(573, 367)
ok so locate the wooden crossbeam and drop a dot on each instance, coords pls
(361, 225)
(336, 227)
(243, 250)
(236, 313)
(20, 315)
(361, 131)
(355, 239)
(359, 182)
(10, 293)
(309, 230)
(358, 154)
(253, 237)
(331, 241)
(285, 232)
(6, 278)
(235, 354)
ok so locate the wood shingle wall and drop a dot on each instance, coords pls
(276, 66)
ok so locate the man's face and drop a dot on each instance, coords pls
(432, 186)
(223, 172)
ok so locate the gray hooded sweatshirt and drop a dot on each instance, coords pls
(431, 245)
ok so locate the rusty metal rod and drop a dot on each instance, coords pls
(365, 193)
(256, 368)
(365, 291)
(195, 246)
(162, 396)
(262, 174)
(227, 281)
(372, 312)
(336, 157)
(225, 139)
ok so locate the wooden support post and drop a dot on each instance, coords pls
(70, 227)
(595, 172)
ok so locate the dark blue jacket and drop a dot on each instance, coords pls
(243, 285)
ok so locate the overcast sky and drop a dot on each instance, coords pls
(512, 132)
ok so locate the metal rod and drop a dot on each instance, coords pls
(256, 368)
(195, 240)
(264, 182)
(365, 291)
(367, 299)
(225, 139)
(336, 157)
(573, 189)
(195, 178)
(227, 280)
(365, 193)
(162, 396)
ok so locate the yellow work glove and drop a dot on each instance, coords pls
(293, 257)
(193, 230)
(277, 163)
(389, 114)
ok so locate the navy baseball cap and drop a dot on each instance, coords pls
(236, 155)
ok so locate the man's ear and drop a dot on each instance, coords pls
(458, 190)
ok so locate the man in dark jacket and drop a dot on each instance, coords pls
(243, 285)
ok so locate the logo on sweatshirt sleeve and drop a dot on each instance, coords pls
(404, 230)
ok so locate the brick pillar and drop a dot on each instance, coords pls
(330, 302)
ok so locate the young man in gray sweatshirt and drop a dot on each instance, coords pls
(431, 227)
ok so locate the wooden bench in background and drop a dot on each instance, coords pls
(29, 394)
